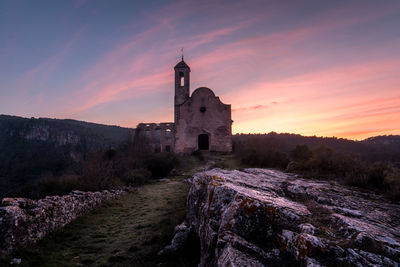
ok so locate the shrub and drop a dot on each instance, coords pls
(48, 185)
(136, 177)
(198, 155)
(279, 160)
(322, 162)
(392, 183)
(301, 153)
(109, 154)
(129, 164)
(376, 174)
(265, 158)
(161, 164)
(326, 162)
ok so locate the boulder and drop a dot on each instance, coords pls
(260, 217)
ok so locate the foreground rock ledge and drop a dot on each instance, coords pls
(259, 217)
(24, 221)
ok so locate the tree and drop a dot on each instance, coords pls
(301, 153)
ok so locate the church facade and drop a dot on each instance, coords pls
(201, 120)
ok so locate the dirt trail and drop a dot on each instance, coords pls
(125, 232)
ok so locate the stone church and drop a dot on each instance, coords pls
(201, 120)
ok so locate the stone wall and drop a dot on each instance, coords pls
(25, 221)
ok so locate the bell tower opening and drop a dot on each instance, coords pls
(182, 79)
(203, 142)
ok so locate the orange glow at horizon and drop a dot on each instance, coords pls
(310, 68)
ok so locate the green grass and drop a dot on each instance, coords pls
(124, 232)
(223, 160)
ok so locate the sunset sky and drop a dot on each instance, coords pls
(325, 68)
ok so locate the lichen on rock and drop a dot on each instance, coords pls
(259, 217)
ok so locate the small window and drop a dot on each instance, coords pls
(203, 109)
(181, 79)
(168, 133)
(168, 148)
(158, 135)
(147, 133)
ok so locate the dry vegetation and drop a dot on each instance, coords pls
(125, 232)
(130, 165)
(321, 162)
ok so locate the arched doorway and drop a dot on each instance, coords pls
(203, 142)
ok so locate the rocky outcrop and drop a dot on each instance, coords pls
(25, 221)
(43, 132)
(258, 217)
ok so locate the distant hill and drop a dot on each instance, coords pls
(29, 147)
(385, 140)
(373, 149)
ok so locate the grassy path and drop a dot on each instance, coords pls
(125, 232)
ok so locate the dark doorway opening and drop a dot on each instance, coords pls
(203, 142)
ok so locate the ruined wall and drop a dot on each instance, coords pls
(160, 136)
(24, 221)
(203, 113)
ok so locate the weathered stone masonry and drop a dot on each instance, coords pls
(160, 134)
(24, 221)
(201, 120)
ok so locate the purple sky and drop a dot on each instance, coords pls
(328, 68)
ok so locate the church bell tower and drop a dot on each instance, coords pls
(182, 86)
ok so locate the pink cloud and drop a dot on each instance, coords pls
(311, 87)
(255, 107)
(131, 72)
(312, 96)
(114, 91)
